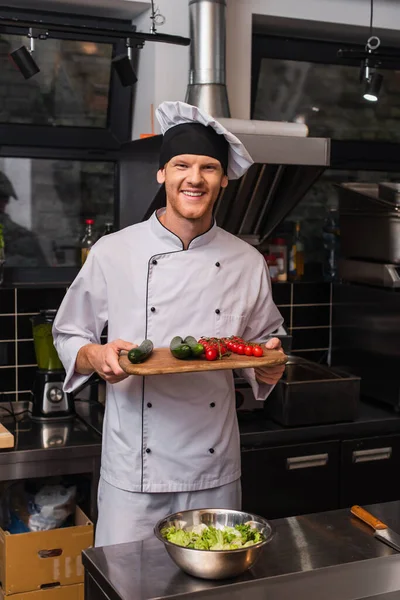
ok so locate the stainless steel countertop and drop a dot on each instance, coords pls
(330, 551)
(45, 440)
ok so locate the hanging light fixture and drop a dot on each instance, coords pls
(373, 87)
(369, 75)
(123, 66)
(23, 59)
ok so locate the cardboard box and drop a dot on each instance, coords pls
(61, 592)
(30, 561)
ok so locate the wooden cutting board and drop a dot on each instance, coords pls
(161, 362)
(6, 438)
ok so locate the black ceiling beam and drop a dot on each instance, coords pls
(53, 28)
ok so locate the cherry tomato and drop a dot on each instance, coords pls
(234, 347)
(211, 354)
(257, 351)
(248, 350)
(240, 349)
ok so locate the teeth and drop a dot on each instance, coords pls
(194, 194)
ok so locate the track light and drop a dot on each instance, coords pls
(372, 87)
(123, 66)
(24, 61)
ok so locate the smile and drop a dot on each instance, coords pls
(192, 194)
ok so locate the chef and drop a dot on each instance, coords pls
(170, 442)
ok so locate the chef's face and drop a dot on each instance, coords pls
(192, 184)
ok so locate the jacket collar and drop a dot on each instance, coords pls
(172, 240)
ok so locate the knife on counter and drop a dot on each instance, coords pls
(381, 531)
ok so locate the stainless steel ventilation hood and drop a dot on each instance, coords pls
(287, 162)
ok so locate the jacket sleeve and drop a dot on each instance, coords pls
(81, 317)
(265, 319)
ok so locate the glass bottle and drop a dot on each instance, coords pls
(296, 263)
(108, 228)
(331, 238)
(2, 254)
(88, 240)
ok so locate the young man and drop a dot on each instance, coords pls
(170, 442)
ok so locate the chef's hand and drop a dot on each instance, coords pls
(103, 359)
(271, 375)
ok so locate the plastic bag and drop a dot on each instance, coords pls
(53, 504)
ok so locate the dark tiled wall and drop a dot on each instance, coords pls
(306, 308)
(17, 355)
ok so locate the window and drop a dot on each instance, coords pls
(71, 89)
(328, 98)
(43, 204)
(300, 80)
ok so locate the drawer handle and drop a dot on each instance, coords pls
(307, 462)
(370, 455)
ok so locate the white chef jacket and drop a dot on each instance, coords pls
(168, 433)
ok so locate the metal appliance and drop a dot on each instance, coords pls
(49, 399)
(370, 222)
(372, 273)
(370, 233)
(313, 394)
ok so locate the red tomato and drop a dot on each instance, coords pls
(257, 351)
(240, 349)
(248, 350)
(223, 349)
(211, 354)
(234, 347)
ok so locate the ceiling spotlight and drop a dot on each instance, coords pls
(24, 61)
(123, 66)
(372, 87)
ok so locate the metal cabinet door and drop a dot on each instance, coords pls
(370, 470)
(291, 480)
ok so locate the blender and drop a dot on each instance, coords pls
(50, 402)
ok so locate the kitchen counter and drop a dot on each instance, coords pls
(331, 552)
(49, 449)
(372, 419)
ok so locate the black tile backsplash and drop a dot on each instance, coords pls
(311, 293)
(310, 316)
(15, 326)
(35, 300)
(7, 380)
(26, 376)
(319, 356)
(7, 354)
(7, 328)
(310, 339)
(24, 327)
(26, 353)
(7, 302)
(282, 293)
(286, 314)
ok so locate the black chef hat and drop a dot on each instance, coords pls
(194, 138)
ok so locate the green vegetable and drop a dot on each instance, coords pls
(196, 348)
(179, 349)
(142, 353)
(201, 537)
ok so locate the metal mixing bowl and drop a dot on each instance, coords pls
(214, 564)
